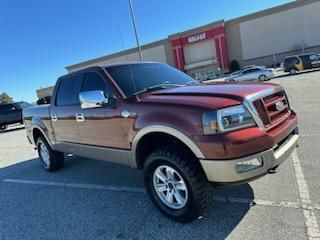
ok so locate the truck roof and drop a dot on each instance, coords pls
(107, 65)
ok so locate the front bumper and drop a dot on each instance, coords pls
(227, 171)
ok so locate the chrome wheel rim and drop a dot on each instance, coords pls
(170, 187)
(44, 154)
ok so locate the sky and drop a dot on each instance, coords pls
(39, 38)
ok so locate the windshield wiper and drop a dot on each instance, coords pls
(157, 87)
(193, 82)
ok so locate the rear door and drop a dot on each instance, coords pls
(64, 109)
(101, 126)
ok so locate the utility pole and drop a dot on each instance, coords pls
(135, 30)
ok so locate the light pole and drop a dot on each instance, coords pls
(135, 30)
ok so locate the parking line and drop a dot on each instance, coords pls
(312, 227)
(78, 185)
(224, 199)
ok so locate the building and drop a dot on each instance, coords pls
(261, 38)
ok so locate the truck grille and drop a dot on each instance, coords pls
(273, 109)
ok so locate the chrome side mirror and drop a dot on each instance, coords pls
(92, 99)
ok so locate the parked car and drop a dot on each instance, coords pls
(11, 113)
(251, 74)
(182, 133)
(293, 64)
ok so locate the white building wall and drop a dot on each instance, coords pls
(281, 32)
(200, 51)
(154, 54)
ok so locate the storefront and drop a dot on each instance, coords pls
(202, 54)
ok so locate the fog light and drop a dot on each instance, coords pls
(249, 165)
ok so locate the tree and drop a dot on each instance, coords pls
(5, 98)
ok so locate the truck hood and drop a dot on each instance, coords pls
(210, 95)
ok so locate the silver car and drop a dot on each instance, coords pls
(251, 74)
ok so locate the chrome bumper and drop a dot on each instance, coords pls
(240, 170)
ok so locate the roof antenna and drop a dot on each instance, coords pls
(126, 58)
(135, 30)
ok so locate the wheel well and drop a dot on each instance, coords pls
(36, 134)
(152, 141)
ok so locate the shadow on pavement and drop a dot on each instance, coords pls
(12, 129)
(80, 213)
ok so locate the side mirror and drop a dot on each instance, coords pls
(92, 99)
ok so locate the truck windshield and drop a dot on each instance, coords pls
(137, 78)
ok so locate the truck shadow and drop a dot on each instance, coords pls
(101, 213)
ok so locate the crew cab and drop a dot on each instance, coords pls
(11, 113)
(183, 134)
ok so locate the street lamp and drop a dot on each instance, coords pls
(135, 30)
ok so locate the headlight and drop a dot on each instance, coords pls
(226, 119)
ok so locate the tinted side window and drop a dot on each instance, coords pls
(7, 108)
(314, 57)
(68, 92)
(305, 58)
(246, 72)
(292, 60)
(94, 81)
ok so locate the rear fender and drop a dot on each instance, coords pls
(38, 124)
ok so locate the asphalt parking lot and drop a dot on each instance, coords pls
(89, 199)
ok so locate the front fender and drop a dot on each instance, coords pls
(166, 130)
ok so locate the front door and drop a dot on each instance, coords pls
(103, 126)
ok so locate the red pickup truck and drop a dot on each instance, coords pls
(183, 134)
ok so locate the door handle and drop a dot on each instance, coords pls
(54, 117)
(80, 117)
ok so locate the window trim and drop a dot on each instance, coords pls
(100, 75)
(79, 74)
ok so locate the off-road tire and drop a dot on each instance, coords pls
(190, 170)
(56, 159)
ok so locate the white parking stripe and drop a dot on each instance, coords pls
(78, 185)
(224, 199)
(312, 227)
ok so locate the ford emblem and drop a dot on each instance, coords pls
(280, 106)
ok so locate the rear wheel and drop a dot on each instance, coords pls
(263, 78)
(176, 184)
(51, 160)
(3, 127)
(293, 71)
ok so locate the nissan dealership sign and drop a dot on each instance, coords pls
(197, 37)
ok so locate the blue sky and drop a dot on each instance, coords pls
(39, 38)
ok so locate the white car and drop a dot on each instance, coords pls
(251, 74)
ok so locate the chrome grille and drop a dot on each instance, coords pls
(273, 109)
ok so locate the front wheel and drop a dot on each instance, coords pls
(51, 160)
(3, 127)
(176, 184)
